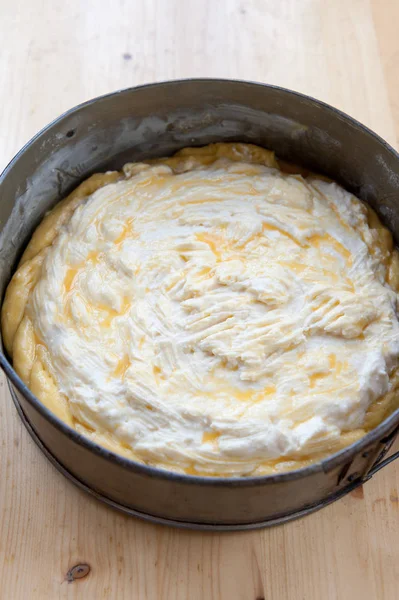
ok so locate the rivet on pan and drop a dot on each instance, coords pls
(366, 454)
(78, 572)
(353, 476)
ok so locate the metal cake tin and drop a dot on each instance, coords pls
(156, 120)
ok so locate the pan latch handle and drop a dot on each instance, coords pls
(382, 462)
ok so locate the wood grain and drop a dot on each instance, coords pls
(55, 54)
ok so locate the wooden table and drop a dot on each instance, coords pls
(55, 54)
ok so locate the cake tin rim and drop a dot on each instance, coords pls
(325, 464)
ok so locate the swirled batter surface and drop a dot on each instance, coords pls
(209, 313)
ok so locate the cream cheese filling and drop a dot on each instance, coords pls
(215, 316)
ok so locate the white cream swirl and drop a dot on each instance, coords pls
(217, 318)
